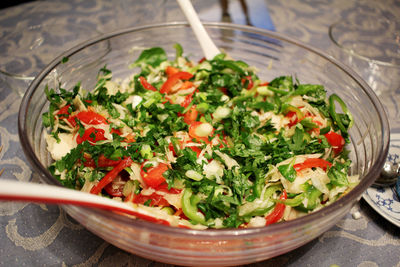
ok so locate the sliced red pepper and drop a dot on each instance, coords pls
(102, 162)
(171, 81)
(153, 176)
(116, 187)
(293, 120)
(64, 111)
(312, 163)
(164, 188)
(278, 211)
(110, 176)
(92, 135)
(188, 99)
(249, 81)
(171, 71)
(191, 115)
(336, 141)
(146, 85)
(151, 200)
(194, 148)
(116, 131)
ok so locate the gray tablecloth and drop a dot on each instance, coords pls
(44, 235)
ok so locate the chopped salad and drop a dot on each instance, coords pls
(203, 144)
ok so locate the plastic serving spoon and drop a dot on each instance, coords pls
(42, 193)
(210, 50)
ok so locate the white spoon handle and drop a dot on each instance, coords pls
(42, 193)
(210, 50)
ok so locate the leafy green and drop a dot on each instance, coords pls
(152, 56)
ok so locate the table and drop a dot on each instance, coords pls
(44, 235)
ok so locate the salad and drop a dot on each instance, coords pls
(203, 144)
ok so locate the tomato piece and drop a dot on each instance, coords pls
(146, 85)
(92, 135)
(102, 162)
(153, 176)
(191, 115)
(64, 111)
(312, 163)
(171, 81)
(171, 71)
(111, 175)
(278, 211)
(223, 90)
(88, 117)
(192, 132)
(151, 200)
(91, 117)
(116, 187)
(164, 188)
(336, 141)
(249, 82)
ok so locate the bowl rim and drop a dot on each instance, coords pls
(351, 197)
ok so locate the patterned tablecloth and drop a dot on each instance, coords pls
(44, 235)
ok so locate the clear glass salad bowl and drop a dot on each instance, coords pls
(274, 55)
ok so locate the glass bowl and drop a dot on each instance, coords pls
(370, 44)
(274, 55)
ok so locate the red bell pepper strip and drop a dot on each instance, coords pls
(115, 188)
(110, 176)
(146, 84)
(151, 200)
(171, 81)
(102, 162)
(312, 163)
(63, 111)
(250, 83)
(194, 148)
(336, 141)
(92, 135)
(278, 211)
(191, 115)
(171, 71)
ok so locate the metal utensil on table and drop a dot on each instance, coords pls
(391, 169)
(389, 175)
